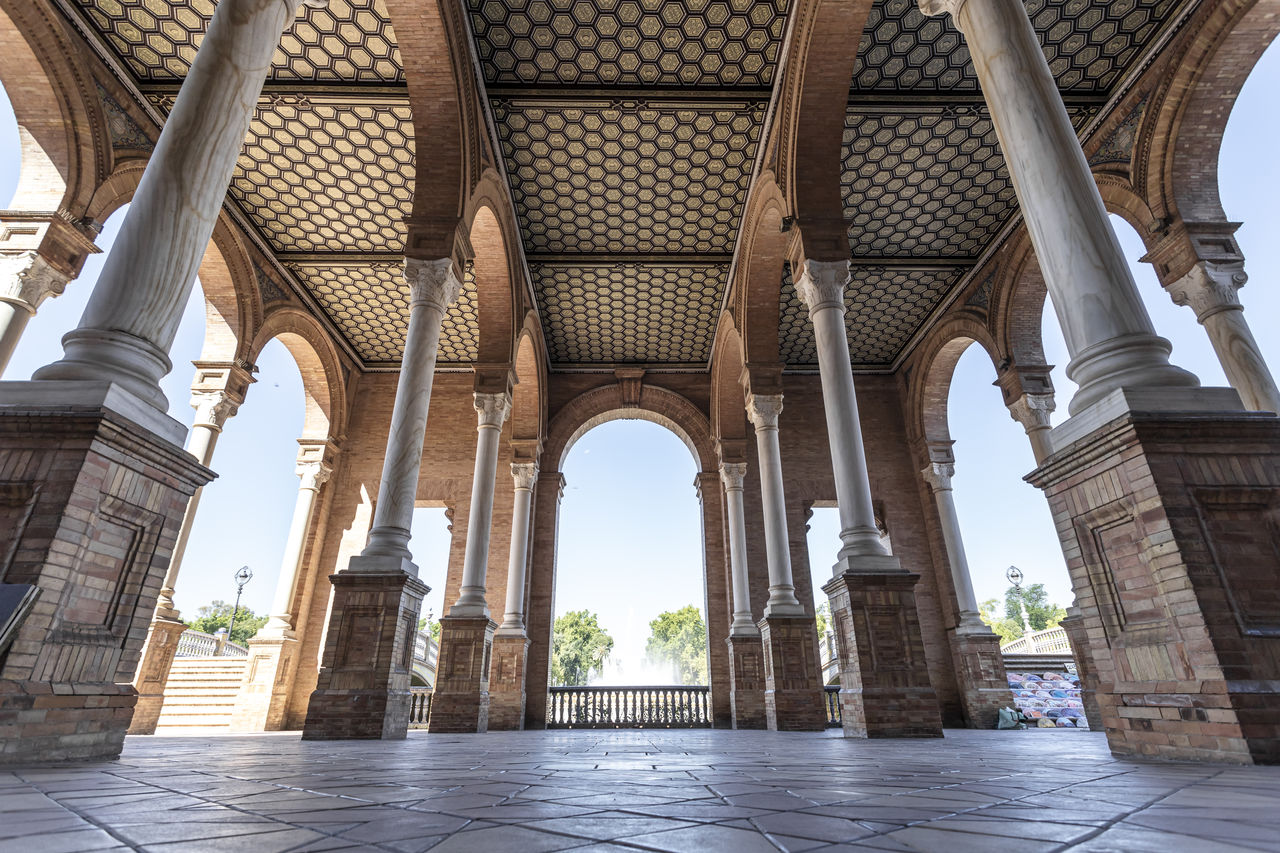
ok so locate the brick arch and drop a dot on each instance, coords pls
(233, 304)
(496, 290)
(604, 404)
(759, 272)
(528, 398)
(1120, 197)
(728, 399)
(318, 362)
(1017, 304)
(936, 364)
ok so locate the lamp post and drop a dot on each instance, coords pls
(1014, 574)
(243, 576)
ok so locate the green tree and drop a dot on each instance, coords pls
(1007, 630)
(578, 648)
(1007, 621)
(432, 626)
(823, 617)
(679, 637)
(217, 615)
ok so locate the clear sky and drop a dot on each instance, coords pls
(630, 532)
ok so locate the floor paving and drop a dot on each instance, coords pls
(655, 790)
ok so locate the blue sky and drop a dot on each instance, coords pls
(630, 529)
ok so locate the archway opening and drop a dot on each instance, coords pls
(10, 161)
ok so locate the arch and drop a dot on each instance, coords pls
(317, 360)
(1120, 198)
(495, 295)
(528, 402)
(728, 399)
(1017, 304)
(938, 356)
(759, 273)
(233, 306)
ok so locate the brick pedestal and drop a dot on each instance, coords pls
(95, 483)
(794, 699)
(1168, 520)
(153, 674)
(1073, 625)
(980, 674)
(363, 688)
(461, 699)
(264, 693)
(506, 682)
(746, 685)
(884, 678)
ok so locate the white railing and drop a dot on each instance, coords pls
(1050, 641)
(198, 644)
(425, 650)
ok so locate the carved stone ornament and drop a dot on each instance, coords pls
(940, 7)
(493, 409)
(938, 475)
(1032, 410)
(432, 282)
(524, 473)
(764, 409)
(27, 279)
(1209, 288)
(213, 408)
(821, 284)
(732, 474)
(314, 474)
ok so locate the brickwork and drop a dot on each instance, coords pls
(460, 702)
(262, 702)
(1167, 523)
(984, 684)
(90, 505)
(153, 674)
(506, 683)
(794, 700)
(746, 690)
(1082, 651)
(885, 689)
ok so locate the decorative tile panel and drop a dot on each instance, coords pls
(629, 313)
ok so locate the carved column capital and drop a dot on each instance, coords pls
(938, 475)
(763, 410)
(1033, 410)
(524, 474)
(315, 462)
(314, 474)
(732, 474)
(27, 279)
(1209, 288)
(213, 407)
(821, 284)
(493, 409)
(941, 7)
(432, 282)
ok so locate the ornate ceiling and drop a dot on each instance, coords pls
(629, 130)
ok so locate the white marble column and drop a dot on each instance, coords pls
(314, 470)
(938, 476)
(213, 408)
(732, 474)
(821, 286)
(132, 317)
(433, 287)
(763, 410)
(1210, 289)
(493, 410)
(26, 280)
(1108, 332)
(525, 475)
(1033, 411)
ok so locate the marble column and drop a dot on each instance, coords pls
(26, 280)
(314, 470)
(1210, 289)
(746, 653)
(1108, 332)
(132, 317)
(763, 410)
(493, 410)
(938, 476)
(524, 474)
(510, 654)
(821, 286)
(1033, 411)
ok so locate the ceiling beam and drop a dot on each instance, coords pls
(611, 259)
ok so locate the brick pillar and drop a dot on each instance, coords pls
(506, 682)
(884, 679)
(264, 693)
(746, 689)
(153, 674)
(460, 702)
(794, 699)
(95, 485)
(1168, 523)
(981, 676)
(1081, 651)
(716, 602)
(542, 587)
(363, 688)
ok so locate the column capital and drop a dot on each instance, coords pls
(432, 282)
(938, 475)
(27, 279)
(524, 474)
(763, 410)
(213, 406)
(732, 474)
(1033, 410)
(1210, 287)
(821, 284)
(314, 473)
(316, 459)
(940, 7)
(493, 409)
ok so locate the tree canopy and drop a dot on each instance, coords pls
(1007, 623)
(211, 617)
(679, 638)
(578, 648)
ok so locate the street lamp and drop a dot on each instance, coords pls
(243, 575)
(1014, 574)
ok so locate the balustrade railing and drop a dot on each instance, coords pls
(419, 707)
(198, 644)
(673, 707)
(1050, 641)
(833, 705)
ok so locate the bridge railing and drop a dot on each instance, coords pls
(419, 707)
(833, 705)
(675, 707)
(198, 644)
(1047, 642)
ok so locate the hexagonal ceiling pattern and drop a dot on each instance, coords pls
(629, 42)
(347, 40)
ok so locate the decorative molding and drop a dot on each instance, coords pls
(1210, 288)
(124, 131)
(27, 279)
(432, 282)
(493, 409)
(763, 410)
(525, 474)
(732, 475)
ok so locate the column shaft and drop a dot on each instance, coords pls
(732, 474)
(938, 476)
(764, 411)
(26, 280)
(314, 473)
(493, 410)
(524, 474)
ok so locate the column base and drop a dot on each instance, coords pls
(983, 682)
(747, 685)
(1078, 637)
(153, 674)
(460, 703)
(794, 699)
(884, 678)
(363, 688)
(506, 682)
(1167, 518)
(264, 693)
(96, 483)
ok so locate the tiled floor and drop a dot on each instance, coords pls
(700, 791)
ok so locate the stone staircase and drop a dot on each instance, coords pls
(200, 695)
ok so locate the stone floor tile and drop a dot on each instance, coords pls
(73, 841)
(705, 839)
(278, 841)
(607, 826)
(815, 827)
(505, 839)
(1126, 839)
(935, 837)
